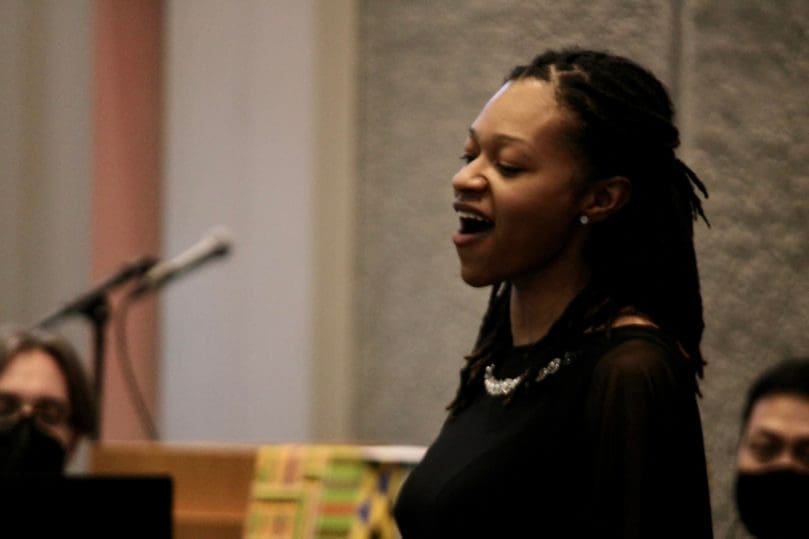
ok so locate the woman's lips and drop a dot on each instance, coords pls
(463, 239)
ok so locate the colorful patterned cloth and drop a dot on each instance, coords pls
(327, 491)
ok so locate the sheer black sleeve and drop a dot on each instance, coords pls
(645, 451)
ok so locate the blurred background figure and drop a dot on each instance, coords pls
(46, 405)
(772, 482)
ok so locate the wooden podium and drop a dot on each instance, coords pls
(285, 491)
(211, 483)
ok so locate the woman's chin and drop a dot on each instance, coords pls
(476, 278)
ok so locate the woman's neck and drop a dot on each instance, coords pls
(540, 299)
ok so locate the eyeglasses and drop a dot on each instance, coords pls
(46, 411)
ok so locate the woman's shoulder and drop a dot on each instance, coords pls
(637, 350)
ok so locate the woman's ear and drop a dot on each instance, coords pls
(605, 197)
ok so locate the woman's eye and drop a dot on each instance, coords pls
(467, 157)
(508, 170)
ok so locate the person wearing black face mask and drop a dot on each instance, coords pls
(45, 402)
(772, 465)
(28, 448)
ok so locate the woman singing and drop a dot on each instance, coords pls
(576, 414)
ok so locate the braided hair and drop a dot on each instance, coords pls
(642, 257)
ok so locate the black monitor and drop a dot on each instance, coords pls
(86, 506)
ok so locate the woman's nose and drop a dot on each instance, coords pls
(468, 179)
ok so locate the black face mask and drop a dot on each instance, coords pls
(774, 504)
(26, 450)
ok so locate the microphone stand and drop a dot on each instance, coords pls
(94, 306)
(97, 312)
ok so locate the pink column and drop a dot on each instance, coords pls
(127, 184)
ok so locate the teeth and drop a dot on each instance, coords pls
(467, 215)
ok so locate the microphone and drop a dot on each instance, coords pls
(86, 302)
(213, 245)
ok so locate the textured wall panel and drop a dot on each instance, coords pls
(744, 104)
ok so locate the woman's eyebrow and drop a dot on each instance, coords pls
(500, 138)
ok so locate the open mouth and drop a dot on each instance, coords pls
(472, 223)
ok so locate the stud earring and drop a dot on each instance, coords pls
(584, 219)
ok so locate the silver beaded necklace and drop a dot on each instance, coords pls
(500, 387)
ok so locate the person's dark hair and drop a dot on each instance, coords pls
(642, 257)
(790, 376)
(14, 340)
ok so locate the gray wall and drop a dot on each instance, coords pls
(45, 68)
(737, 72)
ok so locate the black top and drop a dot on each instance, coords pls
(610, 445)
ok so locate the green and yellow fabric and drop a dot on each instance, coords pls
(327, 491)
